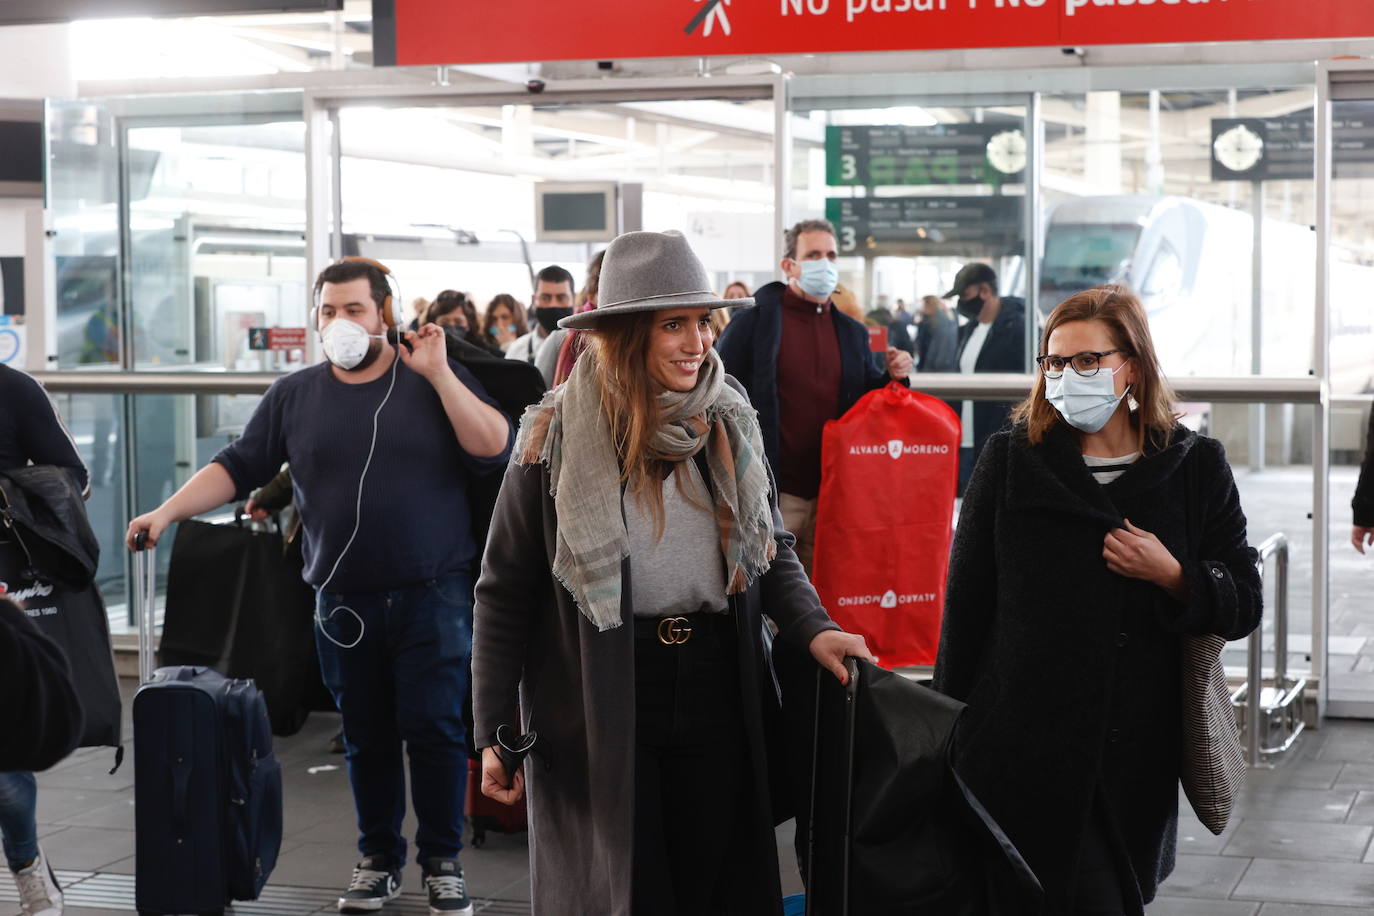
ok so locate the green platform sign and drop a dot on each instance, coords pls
(944, 154)
(985, 226)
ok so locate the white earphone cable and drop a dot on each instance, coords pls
(358, 504)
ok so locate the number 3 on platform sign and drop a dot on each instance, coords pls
(849, 167)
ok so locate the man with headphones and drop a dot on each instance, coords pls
(381, 440)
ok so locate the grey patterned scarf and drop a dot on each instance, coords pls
(568, 431)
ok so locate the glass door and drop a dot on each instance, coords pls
(213, 218)
(1345, 163)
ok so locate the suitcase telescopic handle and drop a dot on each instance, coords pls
(145, 595)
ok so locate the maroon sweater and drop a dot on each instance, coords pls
(808, 391)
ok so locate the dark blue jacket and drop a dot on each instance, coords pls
(1004, 350)
(749, 347)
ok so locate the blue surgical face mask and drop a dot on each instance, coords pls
(1086, 404)
(818, 278)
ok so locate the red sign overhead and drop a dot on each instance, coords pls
(431, 32)
(286, 338)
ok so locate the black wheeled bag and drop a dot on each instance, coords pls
(207, 788)
(892, 828)
(236, 602)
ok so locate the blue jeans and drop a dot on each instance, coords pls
(18, 818)
(404, 681)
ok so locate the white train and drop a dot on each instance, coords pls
(1190, 263)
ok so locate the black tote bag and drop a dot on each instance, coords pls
(76, 620)
(237, 604)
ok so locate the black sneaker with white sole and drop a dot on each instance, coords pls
(448, 892)
(375, 881)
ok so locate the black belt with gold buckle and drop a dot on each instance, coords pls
(674, 631)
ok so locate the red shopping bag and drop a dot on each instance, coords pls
(889, 472)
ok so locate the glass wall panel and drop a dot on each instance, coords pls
(96, 424)
(1278, 500)
(173, 436)
(1351, 640)
(83, 198)
(446, 196)
(916, 191)
(216, 244)
(1160, 190)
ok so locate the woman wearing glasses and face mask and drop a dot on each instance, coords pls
(1095, 533)
(635, 546)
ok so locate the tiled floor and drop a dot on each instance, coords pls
(1298, 845)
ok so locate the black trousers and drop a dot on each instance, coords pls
(694, 811)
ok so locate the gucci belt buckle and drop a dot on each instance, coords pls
(674, 631)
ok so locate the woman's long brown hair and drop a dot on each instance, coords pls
(1119, 309)
(619, 345)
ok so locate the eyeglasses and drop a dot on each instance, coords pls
(1085, 364)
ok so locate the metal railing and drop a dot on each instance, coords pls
(157, 382)
(990, 386)
(1276, 707)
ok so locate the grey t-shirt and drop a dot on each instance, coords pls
(684, 572)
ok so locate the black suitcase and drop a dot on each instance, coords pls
(892, 829)
(207, 789)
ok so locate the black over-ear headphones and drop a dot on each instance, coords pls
(389, 317)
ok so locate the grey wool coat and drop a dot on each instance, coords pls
(575, 687)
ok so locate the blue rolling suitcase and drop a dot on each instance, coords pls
(207, 790)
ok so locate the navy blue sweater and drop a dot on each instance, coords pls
(30, 430)
(415, 518)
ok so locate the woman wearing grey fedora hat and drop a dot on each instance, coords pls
(638, 658)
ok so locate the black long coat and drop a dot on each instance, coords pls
(1071, 672)
(576, 689)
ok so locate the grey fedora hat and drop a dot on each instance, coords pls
(648, 272)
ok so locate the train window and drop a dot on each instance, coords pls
(1165, 276)
(1078, 256)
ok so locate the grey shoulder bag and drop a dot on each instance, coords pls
(1212, 766)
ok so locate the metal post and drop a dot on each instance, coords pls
(40, 291)
(1321, 368)
(335, 187)
(1281, 618)
(320, 170)
(124, 288)
(782, 165)
(1035, 147)
(1257, 455)
(1154, 153)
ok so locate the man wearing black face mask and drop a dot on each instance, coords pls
(554, 289)
(992, 340)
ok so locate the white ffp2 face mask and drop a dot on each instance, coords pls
(818, 278)
(1085, 403)
(346, 342)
